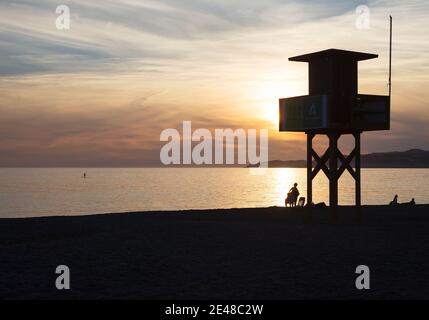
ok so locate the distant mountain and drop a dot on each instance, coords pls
(414, 158)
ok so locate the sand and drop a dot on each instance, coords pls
(267, 253)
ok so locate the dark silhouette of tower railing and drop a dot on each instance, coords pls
(334, 108)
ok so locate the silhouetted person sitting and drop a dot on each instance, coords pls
(292, 196)
(412, 202)
(394, 202)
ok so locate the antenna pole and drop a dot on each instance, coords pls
(390, 60)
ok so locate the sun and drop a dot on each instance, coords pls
(267, 97)
(271, 114)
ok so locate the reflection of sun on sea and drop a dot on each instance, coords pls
(283, 178)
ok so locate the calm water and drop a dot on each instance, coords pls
(42, 192)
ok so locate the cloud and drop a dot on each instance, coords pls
(106, 33)
(128, 69)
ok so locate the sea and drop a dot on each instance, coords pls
(34, 192)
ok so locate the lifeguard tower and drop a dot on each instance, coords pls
(334, 108)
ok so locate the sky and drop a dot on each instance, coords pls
(100, 93)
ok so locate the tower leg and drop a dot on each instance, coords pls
(357, 169)
(310, 137)
(333, 166)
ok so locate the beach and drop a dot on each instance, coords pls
(261, 253)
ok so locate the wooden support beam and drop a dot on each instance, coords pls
(333, 167)
(357, 169)
(310, 137)
(332, 172)
(320, 163)
(346, 163)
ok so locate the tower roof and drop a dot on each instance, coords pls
(334, 54)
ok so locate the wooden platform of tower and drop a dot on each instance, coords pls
(334, 108)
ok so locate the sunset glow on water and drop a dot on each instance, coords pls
(44, 192)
